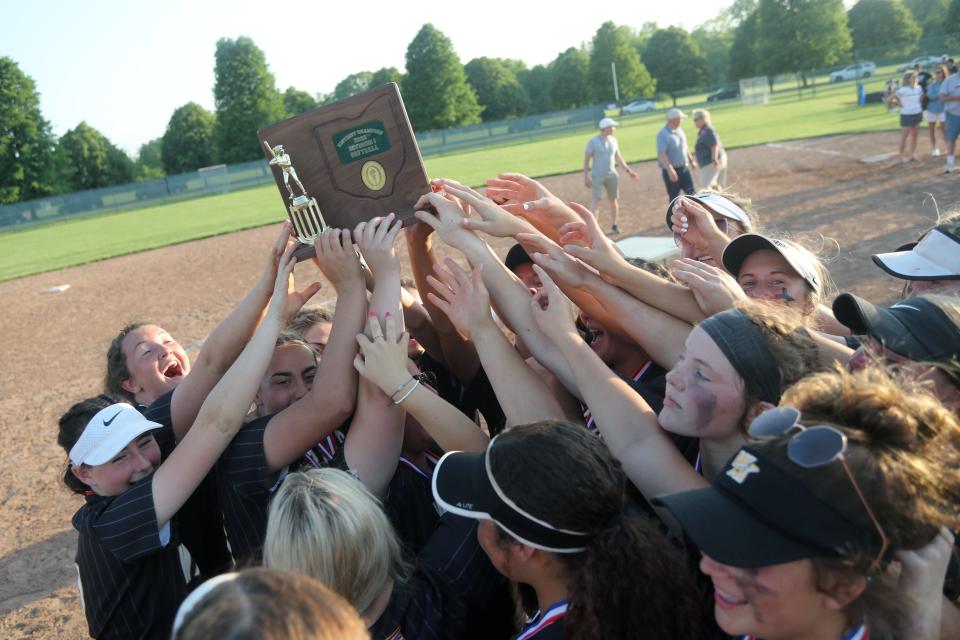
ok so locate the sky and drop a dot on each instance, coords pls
(123, 67)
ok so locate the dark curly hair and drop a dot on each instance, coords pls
(630, 582)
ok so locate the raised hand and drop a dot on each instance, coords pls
(279, 245)
(376, 239)
(494, 219)
(714, 289)
(694, 223)
(585, 240)
(461, 295)
(448, 220)
(287, 301)
(560, 265)
(383, 357)
(922, 573)
(337, 259)
(527, 198)
(552, 311)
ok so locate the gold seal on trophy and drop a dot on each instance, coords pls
(373, 175)
(304, 211)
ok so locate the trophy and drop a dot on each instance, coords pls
(303, 210)
(356, 159)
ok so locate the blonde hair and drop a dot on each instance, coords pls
(702, 113)
(272, 605)
(327, 525)
(909, 76)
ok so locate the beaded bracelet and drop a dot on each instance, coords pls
(409, 391)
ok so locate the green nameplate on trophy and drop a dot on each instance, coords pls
(346, 162)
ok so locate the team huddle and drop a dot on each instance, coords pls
(562, 442)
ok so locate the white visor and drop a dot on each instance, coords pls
(936, 257)
(108, 433)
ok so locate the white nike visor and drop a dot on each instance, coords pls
(108, 433)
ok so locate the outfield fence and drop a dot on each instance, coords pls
(214, 180)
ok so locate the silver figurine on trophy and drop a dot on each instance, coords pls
(304, 211)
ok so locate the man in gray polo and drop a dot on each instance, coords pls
(605, 153)
(673, 157)
(950, 96)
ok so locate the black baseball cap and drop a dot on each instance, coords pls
(763, 509)
(516, 257)
(464, 484)
(917, 328)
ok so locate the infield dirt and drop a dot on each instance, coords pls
(54, 344)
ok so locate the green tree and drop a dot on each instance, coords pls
(951, 23)
(800, 35)
(883, 27)
(26, 144)
(149, 164)
(615, 44)
(642, 36)
(297, 101)
(498, 90)
(384, 75)
(538, 82)
(675, 60)
(568, 83)
(352, 85)
(743, 56)
(188, 142)
(436, 90)
(715, 39)
(246, 99)
(89, 161)
(929, 14)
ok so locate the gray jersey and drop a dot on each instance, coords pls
(951, 87)
(674, 143)
(604, 153)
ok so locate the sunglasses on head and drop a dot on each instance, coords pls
(811, 447)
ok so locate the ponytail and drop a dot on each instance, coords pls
(630, 582)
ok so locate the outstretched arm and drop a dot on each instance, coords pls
(522, 394)
(510, 296)
(225, 343)
(375, 438)
(292, 432)
(221, 415)
(629, 426)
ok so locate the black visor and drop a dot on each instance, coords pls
(463, 484)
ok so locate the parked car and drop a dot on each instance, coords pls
(923, 61)
(726, 93)
(640, 106)
(854, 71)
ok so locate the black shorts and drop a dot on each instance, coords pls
(911, 120)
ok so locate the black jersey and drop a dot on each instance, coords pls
(131, 576)
(546, 625)
(454, 591)
(409, 504)
(245, 491)
(201, 519)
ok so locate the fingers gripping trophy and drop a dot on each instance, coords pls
(304, 211)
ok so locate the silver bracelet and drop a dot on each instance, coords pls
(401, 388)
(409, 391)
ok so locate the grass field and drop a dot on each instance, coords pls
(832, 110)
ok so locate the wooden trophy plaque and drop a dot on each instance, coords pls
(346, 162)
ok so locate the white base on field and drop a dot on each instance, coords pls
(883, 157)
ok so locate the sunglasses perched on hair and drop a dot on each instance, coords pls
(721, 223)
(811, 447)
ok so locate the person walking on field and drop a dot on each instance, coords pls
(950, 97)
(674, 157)
(710, 153)
(604, 151)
